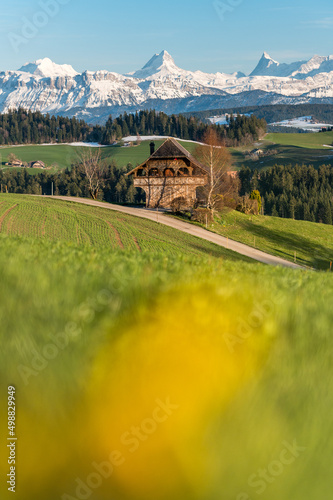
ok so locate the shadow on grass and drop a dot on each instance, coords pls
(321, 255)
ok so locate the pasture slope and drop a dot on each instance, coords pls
(283, 149)
(222, 367)
(54, 220)
(185, 227)
(310, 243)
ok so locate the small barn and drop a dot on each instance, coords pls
(37, 164)
(170, 173)
(16, 163)
(257, 152)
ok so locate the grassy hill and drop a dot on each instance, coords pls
(312, 242)
(96, 341)
(284, 149)
(55, 220)
(221, 366)
(62, 156)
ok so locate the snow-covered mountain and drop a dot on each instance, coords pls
(47, 68)
(268, 67)
(58, 89)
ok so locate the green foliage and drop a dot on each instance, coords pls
(26, 127)
(117, 187)
(255, 195)
(300, 192)
(240, 129)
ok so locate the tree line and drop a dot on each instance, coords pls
(297, 192)
(27, 127)
(240, 129)
(116, 187)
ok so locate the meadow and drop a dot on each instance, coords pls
(144, 375)
(63, 156)
(306, 141)
(311, 242)
(54, 220)
(285, 149)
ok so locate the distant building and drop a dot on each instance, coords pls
(257, 152)
(170, 173)
(36, 164)
(16, 163)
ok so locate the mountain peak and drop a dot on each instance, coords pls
(159, 63)
(267, 56)
(265, 66)
(47, 68)
(161, 59)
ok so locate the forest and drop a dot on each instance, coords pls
(27, 127)
(241, 130)
(296, 192)
(117, 188)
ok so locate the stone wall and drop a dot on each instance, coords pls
(161, 191)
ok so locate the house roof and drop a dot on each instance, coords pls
(171, 149)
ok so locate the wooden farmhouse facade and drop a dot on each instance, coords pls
(170, 173)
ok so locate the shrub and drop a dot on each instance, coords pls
(247, 206)
(180, 204)
(203, 215)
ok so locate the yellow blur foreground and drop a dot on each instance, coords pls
(156, 391)
(142, 430)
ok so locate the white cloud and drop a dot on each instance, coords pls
(325, 22)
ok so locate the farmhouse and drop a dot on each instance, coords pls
(16, 163)
(170, 173)
(37, 164)
(257, 152)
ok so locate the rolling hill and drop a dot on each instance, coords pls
(54, 220)
(195, 352)
(310, 243)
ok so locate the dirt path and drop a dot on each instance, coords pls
(185, 227)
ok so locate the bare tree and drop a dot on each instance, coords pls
(94, 169)
(11, 158)
(217, 160)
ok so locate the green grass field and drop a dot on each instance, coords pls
(55, 220)
(288, 149)
(96, 339)
(305, 141)
(312, 242)
(63, 156)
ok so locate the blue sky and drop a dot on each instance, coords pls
(221, 35)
